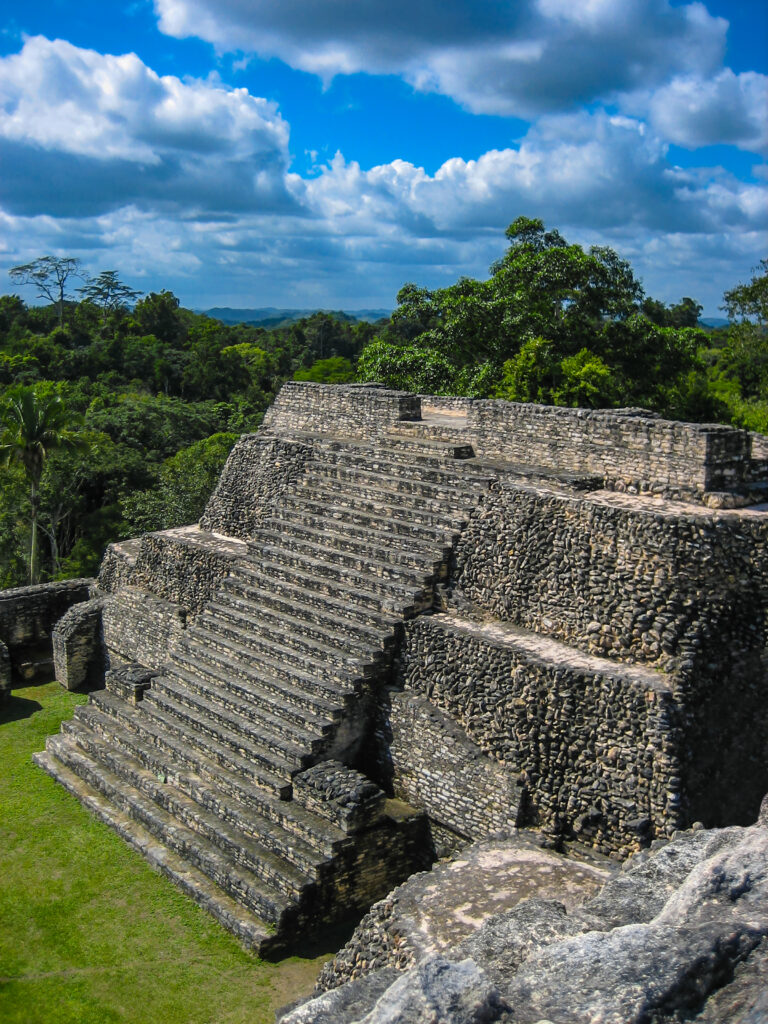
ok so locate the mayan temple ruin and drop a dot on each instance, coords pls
(405, 623)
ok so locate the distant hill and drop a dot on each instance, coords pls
(713, 321)
(271, 316)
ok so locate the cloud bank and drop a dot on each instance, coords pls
(187, 183)
(517, 59)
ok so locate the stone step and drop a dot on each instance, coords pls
(366, 641)
(333, 682)
(262, 572)
(423, 430)
(166, 811)
(271, 752)
(390, 531)
(166, 733)
(304, 604)
(306, 857)
(366, 563)
(218, 787)
(429, 528)
(252, 931)
(303, 651)
(448, 511)
(265, 728)
(256, 703)
(424, 448)
(396, 550)
(399, 461)
(452, 487)
(308, 695)
(392, 588)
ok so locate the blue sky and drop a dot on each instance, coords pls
(307, 153)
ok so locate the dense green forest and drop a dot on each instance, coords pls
(119, 410)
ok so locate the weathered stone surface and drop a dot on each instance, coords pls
(360, 411)
(351, 1002)
(258, 471)
(435, 991)
(630, 450)
(139, 626)
(435, 765)
(430, 913)
(631, 700)
(679, 934)
(588, 741)
(117, 565)
(185, 566)
(744, 1000)
(340, 794)
(79, 656)
(674, 587)
(130, 681)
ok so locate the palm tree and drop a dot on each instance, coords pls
(35, 425)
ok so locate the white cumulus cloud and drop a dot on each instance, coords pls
(727, 109)
(105, 130)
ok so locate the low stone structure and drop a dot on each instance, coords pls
(508, 616)
(27, 618)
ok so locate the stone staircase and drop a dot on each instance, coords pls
(202, 769)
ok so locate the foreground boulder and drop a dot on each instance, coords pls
(681, 933)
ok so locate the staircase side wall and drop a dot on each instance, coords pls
(597, 754)
(184, 567)
(138, 627)
(258, 470)
(437, 766)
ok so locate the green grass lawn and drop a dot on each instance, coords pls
(89, 934)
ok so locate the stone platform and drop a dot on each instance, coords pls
(406, 622)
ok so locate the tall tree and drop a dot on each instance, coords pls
(107, 291)
(49, 274)
(35, 425)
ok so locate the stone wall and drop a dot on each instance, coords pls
(615, 576)
(79, 656)
(258, 470)
(445, 404)
(629, 451)
(596, 746)
(140, 627)
(117, 565)
(353, 410)
(435, 765)
(27, 618)
(386, 840)
(5, 672)
(185, 566)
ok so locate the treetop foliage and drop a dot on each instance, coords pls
(158, 394)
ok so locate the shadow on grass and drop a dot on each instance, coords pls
(15, 708)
